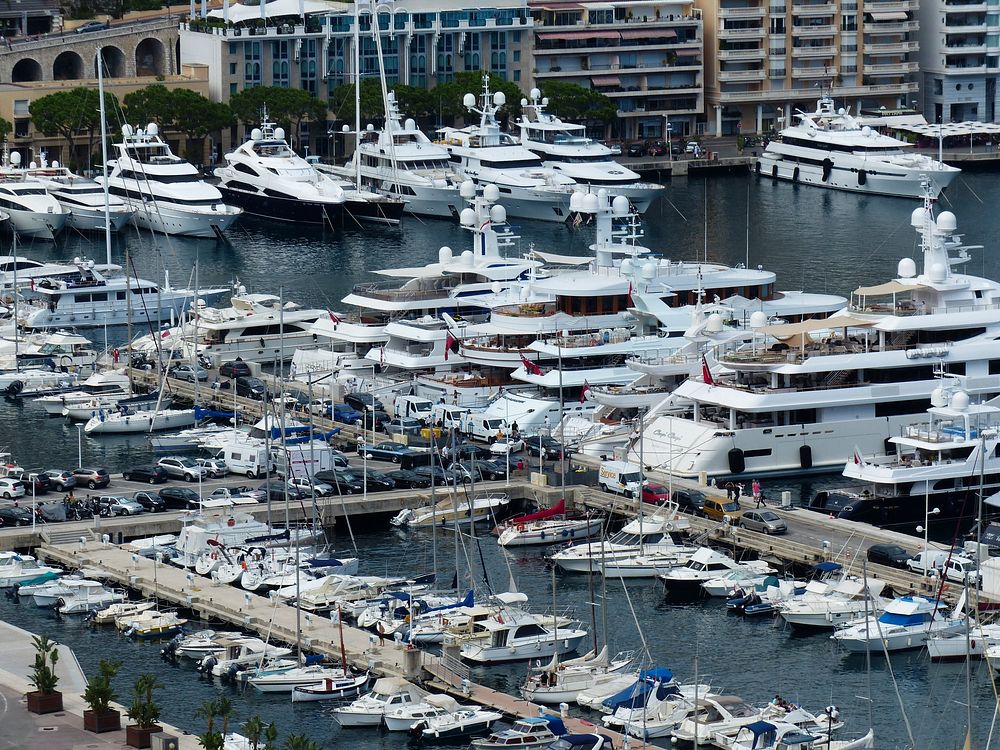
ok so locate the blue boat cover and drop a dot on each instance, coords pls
(634, 696)
(888, 618)
(763, 733)
(200, 414)
(828, 567)
(554, 723)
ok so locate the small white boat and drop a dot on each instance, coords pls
(388, 694)
(906, 622)
(646, 535)
(549, 526)
(107, 422)
(526, 733)
(241, 652)
(957, 645)
(735, 580)
(25, 568)
(720, 716)
(201, 643)
(88, 600)
(330, 688)
(560, 682)
(520, 636)
(403, 718)
(282, 681)
(113, 383)
(704, 565)
(120, 610)
(478, 509)
(781, 735)
(457, 721)
(150, 624)
(833, 603)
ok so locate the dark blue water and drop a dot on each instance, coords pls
(815, 240)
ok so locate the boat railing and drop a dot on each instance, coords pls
(763, 388)
(612, 336)
(528, 310)
(390, 291)
(655, 358)
(781, 353)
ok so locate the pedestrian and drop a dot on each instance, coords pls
(762, 501)
(739, 490)
(755, 490)
(730, 491)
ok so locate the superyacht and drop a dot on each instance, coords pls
(33, 212)
(89, 208)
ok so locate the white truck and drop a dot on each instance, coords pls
(620, 477)
(413, 407)
(450, 416)
(481, 427)
(300, 460)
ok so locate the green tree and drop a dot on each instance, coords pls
(288, 107)
(252, 729)
(5, 129)
(210, 739)
(569, 101)
(271, 737)
(68, 113)
(448, 97)
(196, 117)
(154, 103)
(299, 742)
(372, 108)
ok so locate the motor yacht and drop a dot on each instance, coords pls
(166, 192)
(529, 733)
(388, 694)
(798, 397)
(958, 646)
(25, 569)
(446, 513)
(109, 383)
(561, 681)
(781, 735)
(704, 565)
(457, 721)
(55, 349)
(403, 718)
(565, 148)
(548, 526)
(833, 603)
(32, 212)
(484, 153)
(120, 609)
(87, 600)
(521, 636)
(283, 681)
(235, 653)
(88, 208)
(905, 623)
(644, 535)
(266, 178)
(830, 148)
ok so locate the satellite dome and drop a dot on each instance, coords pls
(524, 102)
(152, 129)
(619, 206)
(649, 270)
(345, 128)
(590, 203)
(256, 134)
(467, 190)
(499, 99)
(497, 287)
(369, 128)
(627, 267)
(960, 401)
(467, 217)
(410, 124)
(535, 93)
(545, 101)
(939, 397)
(918, 217)
(866, 131)
(841, 111)
(602, 196)
(576, 201)
(498, 214)
(55, 165)
(15, 158)
(947, 222)
(491, 193)
(714, 323)
(279, 133)
(126, 130)
(444, 255)
(469, 101)
(938, 273)
(758, 319)
(468, 258)
(906, 268)
(32, 165)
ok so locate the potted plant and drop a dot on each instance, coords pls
(144, 711)
(44, 699)
(99, 695)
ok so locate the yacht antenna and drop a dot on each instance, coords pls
(104, 160)
(390, 121)
(17, 335)
(356, 55)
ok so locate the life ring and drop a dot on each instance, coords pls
(520, 528)
(231, 522)
(215, 555)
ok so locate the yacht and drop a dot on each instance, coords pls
(86, 297)
(907, 622)
(388, 694)
(643, 535)
(363, 206)
(704, 565)
(830, 148)
(401, 162)
(266, 178)
(89, 209)
(833, 603)
(32, 211)
(457, 721)
(166, 192)
(561, 681)
(565, 148)
(254, 328)
(113, 383)
(797, 397)
(55, 349)
(521, 636)
(485, 154)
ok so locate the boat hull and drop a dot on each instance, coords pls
(36, 224)
(570, 531)
(294, 210)
(169, 220)
(92, 219)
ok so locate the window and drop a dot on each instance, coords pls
(21, 108)
(849, 22)
(232, 68)
(21, 128)
(777, 25)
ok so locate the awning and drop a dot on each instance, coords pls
(896, 16)
(890, 287)
(814, 324)
(951, 129)
(562, 260)
(606, 80)
(237, 12)
(649, 34)
(582, 35)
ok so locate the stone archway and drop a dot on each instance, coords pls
(68, 66)
(114, 62)
(150, 58)
(26, 69)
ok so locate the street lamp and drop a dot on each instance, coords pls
(926, 532)
(34, 500)
(79, 445)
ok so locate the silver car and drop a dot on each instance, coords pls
(764, 521)
(180, 467)
(119, 506)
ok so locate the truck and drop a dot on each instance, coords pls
(413, 407)
(481, 427)
(620, 477)
(449, 416)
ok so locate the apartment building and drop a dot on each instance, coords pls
(645, 55)
(768, 58)
(959, 60)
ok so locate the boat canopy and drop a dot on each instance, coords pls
(828, 567)
(556, 510)
(634, 696)
(889, 287)
(787, 330)
(446, 702)
(761, 730)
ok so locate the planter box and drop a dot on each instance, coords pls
(106, 721)
(45, 704)
(136, 736)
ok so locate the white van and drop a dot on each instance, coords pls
(450, 416)
(413, 407)
(928, 562)
(620, 477)
(481, 427)
(249, 460)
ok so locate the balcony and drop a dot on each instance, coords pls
(891, 48)
(824, 51)
(972, 7)
(897, 27)
(741, 76)
(959, 69)
(892, 7)
(754, 33)
(784, 95)
(964, 48)
(741, 12)
(810, 73)
(741, 54)
(826, 29)
(817, 9)
(888, 69)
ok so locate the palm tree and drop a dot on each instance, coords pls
(271, 737)
(224, 708)
(253, 728)
(300, 742)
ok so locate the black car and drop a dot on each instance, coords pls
(180, 498)
(150, 501)
(379, 481)
(235, 369)
(254, 388)
(493, 469)
(548, 446)
(888, 554)
(145, 473)
(677, 149)
(468, 451)
(408, 480)
(636, 149)
(690, 501)
(441, 477)
(91, 478)
(387, 451)
(403, 425)
(15, 517)
(343, 481)
(278, 490)
(364, 402)
(41, 481)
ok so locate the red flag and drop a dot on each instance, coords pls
(530, 367)
(448, 341)
(706, 373)
(333, 316)
(583, 392)
(630, 303)
(165, 334)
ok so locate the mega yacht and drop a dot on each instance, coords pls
(85, 297)
(32, 211)
(565, 148)
(88, 208)
(266, 178)
(800, 397)
(830, 148)
(166, 192)
(483, 153)
(401, 162)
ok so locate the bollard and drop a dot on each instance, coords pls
(564, 710)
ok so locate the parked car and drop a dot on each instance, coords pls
(61, 480)
(254, 388)
(91, 26)
(11, 488)
(180, 467)
(719, 509)
(636, 149)
(655, 493)
(346, 414)
(191, 373)
(387, 451)
(228, 493)
(506, 445)
(150, 501)
(402, 426)
(279, 490)
(764, 521)
(363, 401)
(676, 149)
(307, 486)
(656, 148)
(492, 469)
(379, 481)
(927, 562)
(615, 148)
(690, 501)
(92, 479)
(466, 472)
(548, 446)
(408, 480)
(234, 369)
(466, 451)
(888, 554)
(180, 498)
(345, 481)
(145, 473)
(441, 477)
(39, 479)
(112, 505)
(15, 517)
(692, 147)
(215, 467)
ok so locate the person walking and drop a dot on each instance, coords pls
(755, 489)
(730, 491)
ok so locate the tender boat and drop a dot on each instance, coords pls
(520, 636)
(457, 721)
(906, 622)
(330, 688)
(527, 732)
(704, 565)
(150, 623)
(388, 694)
(120, 610)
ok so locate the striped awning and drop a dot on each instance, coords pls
(606, 80)
(582, 35)
(649, 34)
(895, 16)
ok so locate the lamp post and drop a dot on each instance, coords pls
(34, 500)
(79, 445)
(925, 530)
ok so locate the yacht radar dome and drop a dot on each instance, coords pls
(649, 270)
(619, 205)
(524, 102)
(499, 99)
(866, 131)
(590, 203)
(127, 130)
(256, 134)
(576, 201)
(152, 129)
(345, 128)
(467, 217)
(959, 401)
(535, 94)
(279, 134)
(947, 222)
(918, 217)
(714, 323)
(369, 128)
(939, 397)
(468, 258)
(497, 287)
(15, 158)
(545, 101)
(469, 101)
(841, 111)
(410, 124)
(938, 273)
(758, 319)
(498, 214)
(602, 196)
(467, 190)
(55, 165)
(32, 165)
(906, 268)
(627, 267)
(491, 193)
(444, 255)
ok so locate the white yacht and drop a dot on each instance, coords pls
(20, 271)
(254, 327)
(32, 211)
(799, 397)
(167, 192)
(52, 349)
(108, 383)
(906, 622)
(81, 197)
(485, 154)
(85, 297)
(642, 535)
(266, 178)
(830, 148)
(565, 148)
(400, 161)
(521, 636)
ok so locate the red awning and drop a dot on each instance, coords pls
(556, 510)
(570, 36)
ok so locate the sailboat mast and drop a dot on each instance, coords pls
(104, 158)
(357, 94)
(17, 335)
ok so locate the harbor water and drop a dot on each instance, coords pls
(822, 241)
